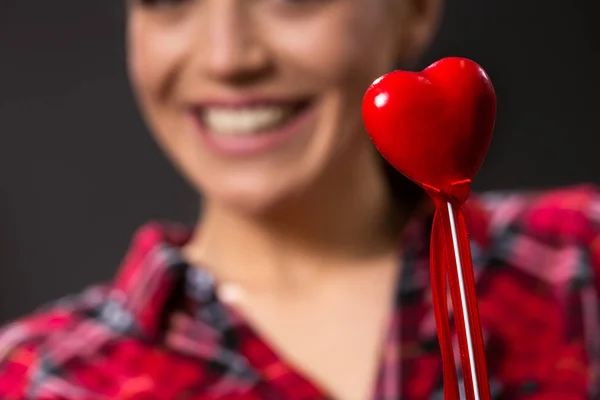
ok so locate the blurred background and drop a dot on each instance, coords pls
(79, 172)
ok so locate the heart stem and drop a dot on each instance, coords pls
(464, 299)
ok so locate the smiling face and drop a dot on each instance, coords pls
(256, 100)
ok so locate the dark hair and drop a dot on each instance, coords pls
(406, 193)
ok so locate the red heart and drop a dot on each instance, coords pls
(433, 126)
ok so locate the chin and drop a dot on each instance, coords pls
(252, 200)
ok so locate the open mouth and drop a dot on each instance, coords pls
(248, 119)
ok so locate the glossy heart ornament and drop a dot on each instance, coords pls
(433, 126)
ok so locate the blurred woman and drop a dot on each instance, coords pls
(306, 276)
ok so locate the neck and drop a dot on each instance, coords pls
(341, 221)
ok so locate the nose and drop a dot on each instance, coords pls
(234, 51)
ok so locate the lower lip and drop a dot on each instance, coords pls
(257, 143)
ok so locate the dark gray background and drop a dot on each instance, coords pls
(79, 173)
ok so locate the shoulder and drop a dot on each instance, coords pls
(538, 227)
(567, 216)
(549, 238)
(539, 260)
(22, 342)
(568, 213)
(538, 265)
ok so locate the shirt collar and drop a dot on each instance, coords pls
(151, 271)
(154, 270)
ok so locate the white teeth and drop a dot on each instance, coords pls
(244, 121)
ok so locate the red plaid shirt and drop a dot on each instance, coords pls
(160, 332)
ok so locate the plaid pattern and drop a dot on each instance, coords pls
(160, 332)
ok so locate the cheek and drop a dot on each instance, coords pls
(338, 56)
(350, 43)
(154, 55)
